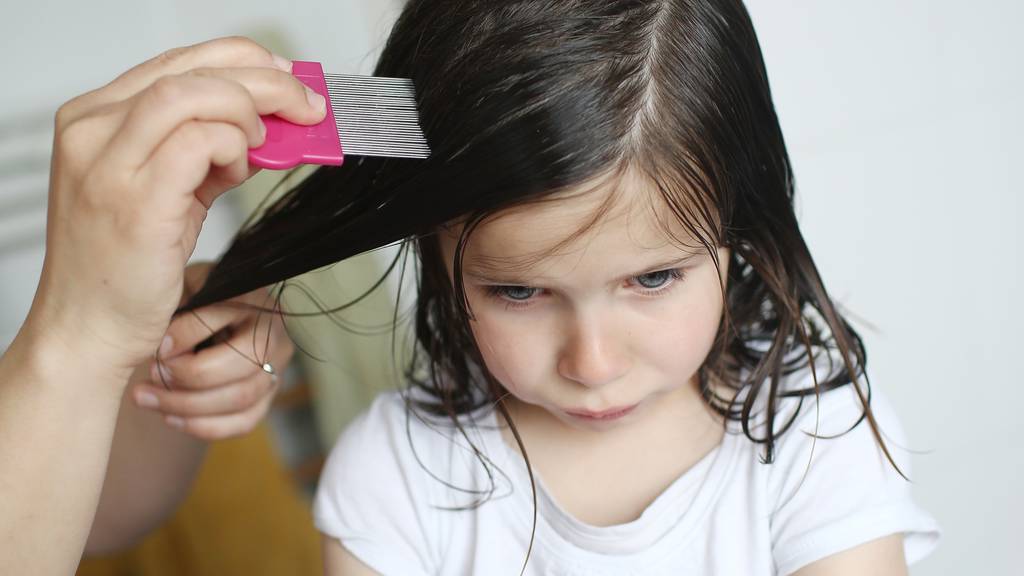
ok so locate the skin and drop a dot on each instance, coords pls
(585, 330)
(136, 165)
(581, 331)
(215, 393)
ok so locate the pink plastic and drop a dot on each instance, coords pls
(287, 144)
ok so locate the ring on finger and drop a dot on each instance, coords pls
(269, 369)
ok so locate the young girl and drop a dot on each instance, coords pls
(628, 361)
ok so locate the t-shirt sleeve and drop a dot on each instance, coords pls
(370, 494)
(850, 494)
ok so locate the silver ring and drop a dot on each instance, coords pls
(269, 369)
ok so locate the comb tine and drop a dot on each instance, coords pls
(376, 116)
(369, 116)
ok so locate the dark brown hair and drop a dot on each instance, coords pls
(520, 99)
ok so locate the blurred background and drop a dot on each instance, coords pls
(903, 121)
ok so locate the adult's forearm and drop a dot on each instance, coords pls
(151, 470)
(57, 415)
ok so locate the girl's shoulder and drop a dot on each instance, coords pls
(397, 438)
(367, 454)
(813, 423)
(831, 454)
(801, 400)
(393, 431)
(378, 485)
(401, 420)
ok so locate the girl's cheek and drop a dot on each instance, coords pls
(488, 343)
(503, 352)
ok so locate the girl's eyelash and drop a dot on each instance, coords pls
(499, 292)
(674, 274)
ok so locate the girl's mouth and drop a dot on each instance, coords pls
(603, 415)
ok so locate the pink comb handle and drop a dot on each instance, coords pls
(290, 144)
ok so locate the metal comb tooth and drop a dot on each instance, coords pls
(376, 116)
(368, 116)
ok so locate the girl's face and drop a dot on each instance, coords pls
(600, 331)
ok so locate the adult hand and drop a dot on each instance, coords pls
(136, 165)
(219, 391)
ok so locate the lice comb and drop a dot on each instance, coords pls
(366, 116)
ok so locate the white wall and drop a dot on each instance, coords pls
(57, 50)
(904, 124)
(903, 120)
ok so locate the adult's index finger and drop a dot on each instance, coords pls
(231, 51)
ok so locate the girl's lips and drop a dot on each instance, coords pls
(611, 414)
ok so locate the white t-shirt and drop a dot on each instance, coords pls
(390, 502)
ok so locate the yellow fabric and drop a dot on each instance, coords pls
(244, 516)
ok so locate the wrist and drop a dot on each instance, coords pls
(55, 356)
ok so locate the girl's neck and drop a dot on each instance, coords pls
(610, 477)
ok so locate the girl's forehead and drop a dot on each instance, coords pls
(625, 213)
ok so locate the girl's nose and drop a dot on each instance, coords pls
(593, 356)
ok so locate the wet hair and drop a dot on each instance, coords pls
(522, 99)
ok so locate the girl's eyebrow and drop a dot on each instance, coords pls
(492, 275)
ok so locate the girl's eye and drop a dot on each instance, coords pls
(515, 293)
(657, 281)
(512, 296)
(651, 284)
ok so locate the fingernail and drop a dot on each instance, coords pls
(165, 346)
(315, 100)
(174, 422)
(263, 131)
(282, 63)
(160, 373)
(147, 399)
